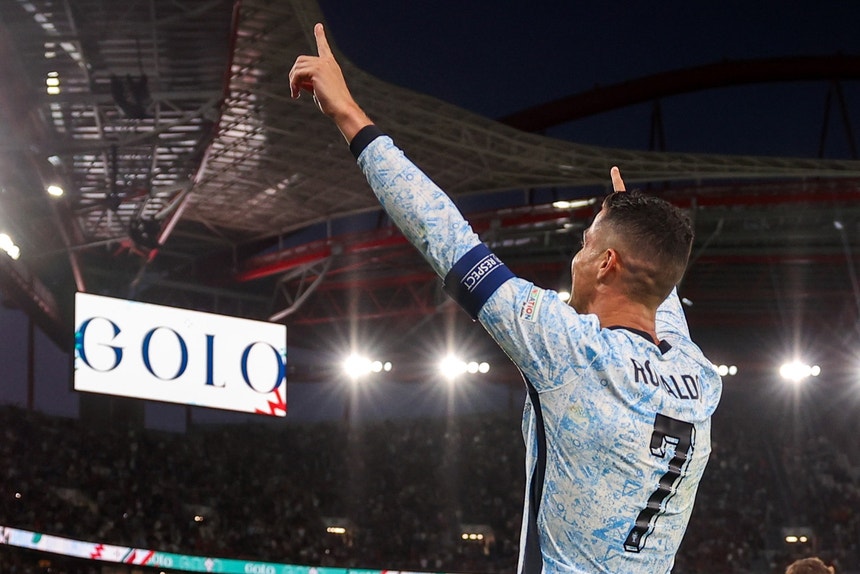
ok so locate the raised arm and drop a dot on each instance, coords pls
(423, 212)
(507, 306)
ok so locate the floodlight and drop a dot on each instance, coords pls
(452, 366)
(356, 366)
(797, 371)
(727, 370)
(54, 191)
(564, 296)
(574, 204)
(484, 368)
(7, 245)
(52, 83)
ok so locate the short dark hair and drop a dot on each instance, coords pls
(655, 231)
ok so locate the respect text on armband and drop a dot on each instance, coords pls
(479, 271)
(680, 386)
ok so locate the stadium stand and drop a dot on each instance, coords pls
(404, 489)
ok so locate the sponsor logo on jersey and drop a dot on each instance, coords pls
(531, 307)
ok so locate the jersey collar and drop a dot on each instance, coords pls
(663, 345)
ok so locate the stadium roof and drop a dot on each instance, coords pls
(192, 179)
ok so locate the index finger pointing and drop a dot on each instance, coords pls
(617, 182)
(323, 48)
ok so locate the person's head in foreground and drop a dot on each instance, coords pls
(813, 565)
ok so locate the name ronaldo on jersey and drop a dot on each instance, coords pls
(687, 388)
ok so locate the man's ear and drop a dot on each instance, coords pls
(609, 264)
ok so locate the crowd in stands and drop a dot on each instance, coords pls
(824, 477)
(402, 489)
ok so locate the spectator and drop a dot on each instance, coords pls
(812, 565)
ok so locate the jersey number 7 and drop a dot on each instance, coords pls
(683, 436)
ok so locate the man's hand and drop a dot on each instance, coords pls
(617, 182)
(321, 75)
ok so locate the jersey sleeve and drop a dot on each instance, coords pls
(533, 326)
(423, 212)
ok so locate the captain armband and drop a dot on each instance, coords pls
(475, 277)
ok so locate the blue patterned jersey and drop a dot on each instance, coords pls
(617, 428)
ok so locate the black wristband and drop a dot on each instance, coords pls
(363, 138)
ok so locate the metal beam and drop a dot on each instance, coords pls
(673, 83)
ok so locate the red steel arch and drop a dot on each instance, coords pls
(716, 75)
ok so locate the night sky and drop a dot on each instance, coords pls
(499, 58)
